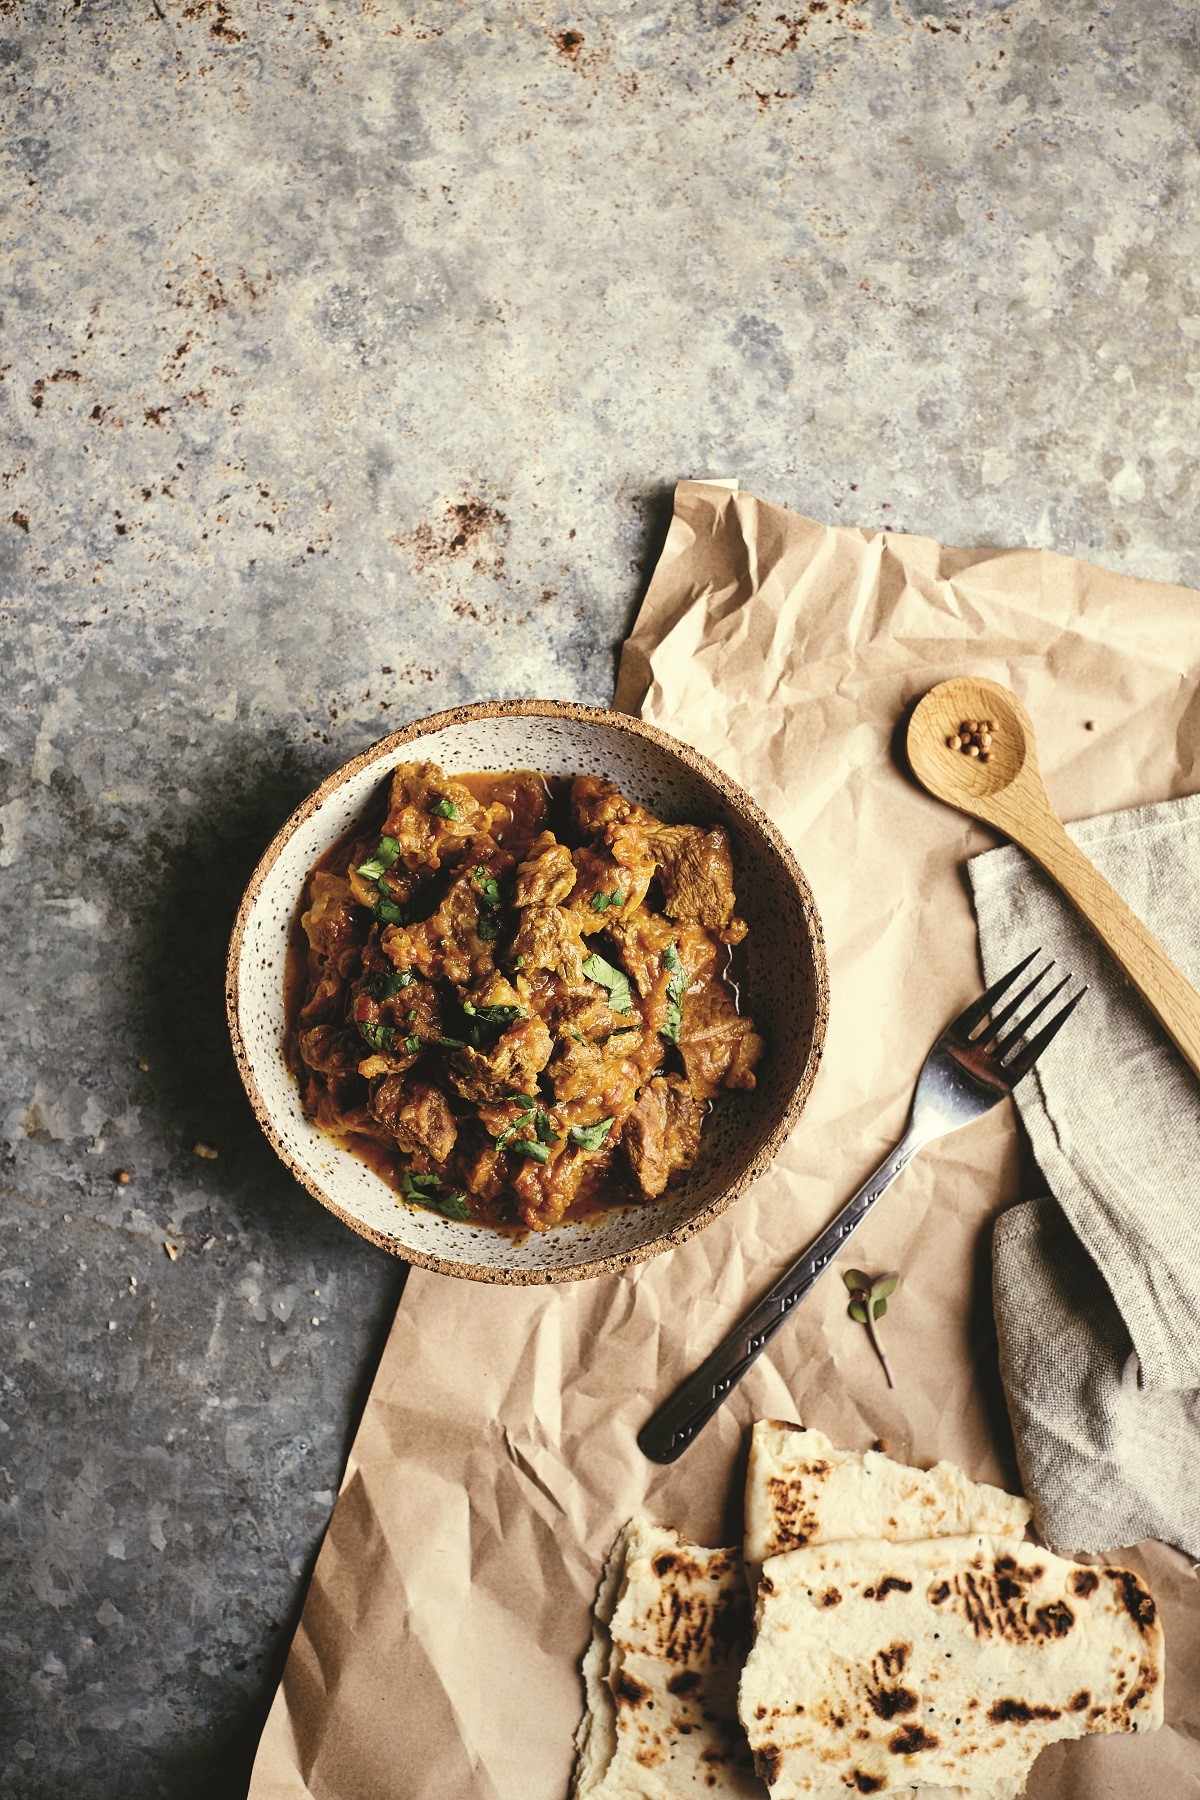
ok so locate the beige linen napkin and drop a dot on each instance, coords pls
(496, 1460)
(1098, 1304)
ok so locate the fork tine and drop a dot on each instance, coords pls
(1001, 1049)
(1021, 1065)
(978, 1009)
(999, 1020)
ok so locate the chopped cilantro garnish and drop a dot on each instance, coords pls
(430, 1190)
(523, 1102)
(495, 1015)
(529, 1147)
(602, 902)
(590, 1137)
(518, 962)
(615, 980)
(543, 1124)
(383, 859)
(488, 929)
(378, 1036)
(445, 809)
(449, 1043)
(388, 913)
(487, 884)
(412, 1045)
(386, 987)
(676, 988)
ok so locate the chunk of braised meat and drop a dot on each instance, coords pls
(695, 870)
(642, 942)
(457, 943)
(417, 1115)
(483, 1171)
(326, 1002)
(333, 924)
(431, 816)
(597, 803)
(718, 1046)
(510, 1066)
(597, 807)
(607, 887)
(609, 1072)
(662, 1133)
(333, 1109)
(548, 938)
(546, 876)
(330, 1049)
(544, 1191)
(584, 1012)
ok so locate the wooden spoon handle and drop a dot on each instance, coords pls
(1169, 995)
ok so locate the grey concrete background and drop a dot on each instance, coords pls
(348, 353)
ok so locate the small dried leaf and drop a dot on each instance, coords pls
(885, 1285)
(855, 1280)
(858, 1312)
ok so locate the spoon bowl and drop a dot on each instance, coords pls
(1007, 793)
(974, 786)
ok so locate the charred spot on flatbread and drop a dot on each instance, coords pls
(831, 1597)
(1084, 1582)
(1081, 1701)
(994, 1601)
(628, 1689)
(867, 1784)
(891, 1584)
(686, 1682)
(887, 1702)
(768, 1762)
(794, 1518)
(1020, 1712)
(912, 1739)
(893, 1659)
(1138, 1603)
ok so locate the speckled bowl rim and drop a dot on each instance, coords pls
(739, 803)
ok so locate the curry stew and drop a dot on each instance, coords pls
(514, 996)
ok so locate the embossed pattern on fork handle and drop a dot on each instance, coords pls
(672, 1428)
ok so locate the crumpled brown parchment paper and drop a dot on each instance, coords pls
(439, 1646)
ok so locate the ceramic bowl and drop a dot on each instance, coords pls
(786, 986)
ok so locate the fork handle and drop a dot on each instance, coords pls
(668, 1433)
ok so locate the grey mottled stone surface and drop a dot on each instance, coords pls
(347, 353)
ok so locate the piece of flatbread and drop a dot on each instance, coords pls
(800, 1490)
(951, 1661)
(650, 1627)
(670, 1635)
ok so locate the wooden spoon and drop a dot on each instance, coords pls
(1007, 792)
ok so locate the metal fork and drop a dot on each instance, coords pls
(970, 1068)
